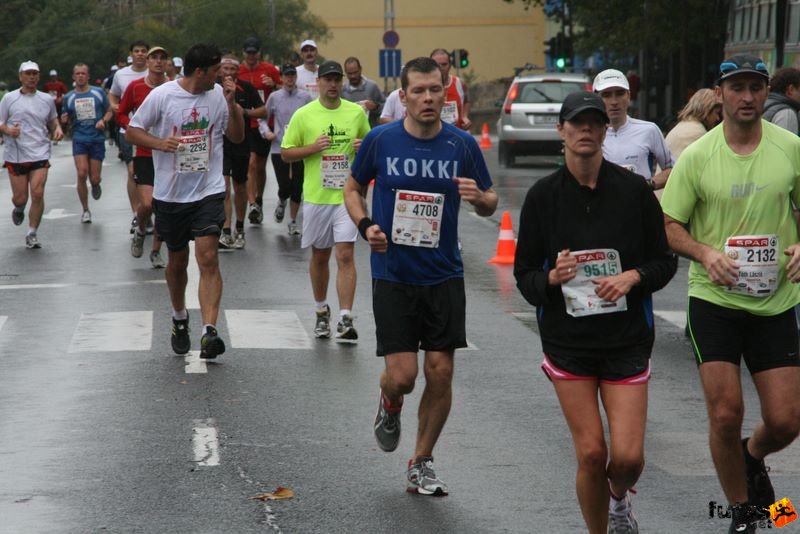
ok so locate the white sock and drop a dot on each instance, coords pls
(321, 306)
(180, 315)
(342, 313)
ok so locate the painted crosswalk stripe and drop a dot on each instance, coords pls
(113, 332)
(194, 365)
(677, 318)
(266, 329)
(205, 442)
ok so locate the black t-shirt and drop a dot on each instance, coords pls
(247, 97)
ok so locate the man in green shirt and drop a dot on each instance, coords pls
(737, 185)
(325, 134)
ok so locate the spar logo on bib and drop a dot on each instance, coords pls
(752, 242)
(592, 256)
(194, 121)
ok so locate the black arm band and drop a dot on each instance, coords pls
(363, 224)
(642, 276)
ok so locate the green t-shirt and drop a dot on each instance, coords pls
(342, 125)
(723, 194)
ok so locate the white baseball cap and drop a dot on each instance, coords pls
(178, 62)
(610, 78)
(28, 65)
(308, 42)
(53, 72)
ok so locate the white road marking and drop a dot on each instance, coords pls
(470, 346)
(57, 213)
(3, 320)
(266, 329)
(194, 365)
(113, 332)
(205, 443)
(677, 318)
(34, 286)
(193, 281)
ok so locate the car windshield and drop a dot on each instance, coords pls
(546, 92)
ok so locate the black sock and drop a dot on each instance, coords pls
(260, 201)
(239, 226)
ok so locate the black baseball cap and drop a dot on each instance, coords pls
(251, 44)
(288, 68)
(581, 101)
(743, 64)
(330, 67)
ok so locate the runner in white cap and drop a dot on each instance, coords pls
(27, 117)
(634, 144)
(307, 72)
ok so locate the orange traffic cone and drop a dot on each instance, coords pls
(485, 141)
(506, 244)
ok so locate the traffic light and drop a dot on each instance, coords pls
(550, 47)
(459, 58)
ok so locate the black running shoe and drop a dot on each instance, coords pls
(97, 191)
(387, 425)
(181, 343)
(17, 216)
(759, 487)
(745, 519)
(211, 345)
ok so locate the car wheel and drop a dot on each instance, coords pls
(505, 156)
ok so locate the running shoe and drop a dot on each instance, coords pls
(31, 241)
(134, 225)
(211, 345)
(97, 191)
(323, 327)
(225, 240)
(86, 217)
(759, 487)
(422, 479)
(387, 425)
(280, 211)
(181, 342)
(256, 214)
(293, 229)
(156, 260)
(620, 516)
(137, 245)
(345, 331)
(18, 215)
(238, 241)
(745, 519)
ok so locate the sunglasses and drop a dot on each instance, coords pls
(730, 66)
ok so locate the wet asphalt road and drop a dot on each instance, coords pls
(104, 429)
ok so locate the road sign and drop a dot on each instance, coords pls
(391, 63)
(390, 39)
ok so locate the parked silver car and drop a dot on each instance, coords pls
(527, 123)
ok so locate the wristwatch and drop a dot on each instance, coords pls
(651, 183)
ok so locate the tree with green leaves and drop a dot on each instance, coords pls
(59, 33)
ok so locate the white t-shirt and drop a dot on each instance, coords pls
(194, 172)
(307, 80)
(31, 112)
(123, 78)
(637, 146)
(393, 108)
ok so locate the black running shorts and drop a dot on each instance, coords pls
(625, 366)
(726, 335)
(234, 164)
(258, 144)
(21, 169)
(409, 318)
(178, 223)
(143, 170)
